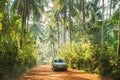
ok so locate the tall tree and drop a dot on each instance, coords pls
(119, 35)
(25, 8)
(23, 23)
(66, 10)
(70, 25)
(51, 37)
(65, 15)
(58, 27)
(83, 12)
(102, 32)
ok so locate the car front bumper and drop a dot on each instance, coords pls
(60, 68)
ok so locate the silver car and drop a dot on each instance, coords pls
(59, 64)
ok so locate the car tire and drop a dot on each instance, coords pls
(65, 69)
(54, 69)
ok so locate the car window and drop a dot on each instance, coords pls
(55, 60)
(58, 60)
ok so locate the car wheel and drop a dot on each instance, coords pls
(54, 69)
(65, 69)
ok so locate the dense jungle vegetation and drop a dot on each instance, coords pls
(85, 32)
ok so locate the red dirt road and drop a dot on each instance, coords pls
(44, 72)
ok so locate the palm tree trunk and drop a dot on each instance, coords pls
(23, 23)
(102, 24)
(64, 23)
(69, 28)
(58, 33)
(24, 17)
(83, 12)
(119, 36)
(79, 3)
(53, 50)
(8, 9)
(27, 25)
(110, 7)
(64, 33)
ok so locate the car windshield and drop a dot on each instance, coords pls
(59, 60)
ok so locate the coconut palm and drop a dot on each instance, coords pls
(65, 11)
(25, 8)
(28, 7)
(93, 11)
(117, 22)
(59, 14)
(119, 36)
(83, 12)
(51, 38)
(32, 7)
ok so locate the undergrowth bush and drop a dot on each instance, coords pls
(13, 59)
(116, 68)
(91, 59)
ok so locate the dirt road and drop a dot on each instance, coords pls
(44, 72)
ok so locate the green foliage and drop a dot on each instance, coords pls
(70, 53)
(2, 5)
(90, 58)
(116, 68)
(87, 54)
(13, 60)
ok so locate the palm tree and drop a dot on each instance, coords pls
(102, 24)
(2, 5)
(23, 22)
(57, 24)
(51, 37)
(60, 14)
(66, 12)
(33, 7)
(70, 19)
(25, 8)
(93, 11)
(83, 12)
(119, 35)
(94, 17)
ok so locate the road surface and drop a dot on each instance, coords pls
(44, 72)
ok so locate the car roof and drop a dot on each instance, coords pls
(58, 58)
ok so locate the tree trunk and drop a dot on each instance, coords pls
(119, 36)
(83, 12)
(24, 17)
(69, 28)
(79, 2)
(110, 8)
(102, 24)
(27, 24)
(53, 50)
(23, 23)
(64, 23)
(64, 34)
(58, 33)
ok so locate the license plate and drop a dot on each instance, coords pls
(60, 66)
